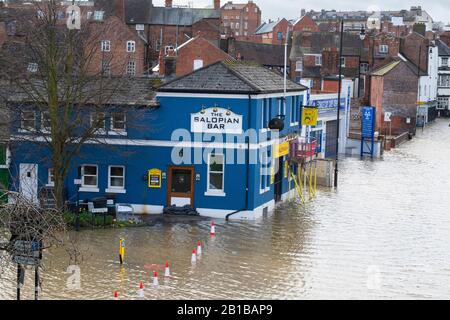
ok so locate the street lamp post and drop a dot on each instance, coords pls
(362, 36)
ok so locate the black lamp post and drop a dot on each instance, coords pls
(362, 36)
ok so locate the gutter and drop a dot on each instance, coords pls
(227, 217)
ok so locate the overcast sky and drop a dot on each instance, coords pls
(438, 9)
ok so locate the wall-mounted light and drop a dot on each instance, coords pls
(203, 110)
(228, 112)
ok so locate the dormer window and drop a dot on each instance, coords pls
(131, 46)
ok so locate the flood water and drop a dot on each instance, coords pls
(385, 233)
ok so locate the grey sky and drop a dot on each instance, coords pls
(438, 9)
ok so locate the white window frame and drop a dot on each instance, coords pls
(131, 46)
(265, 170)
(294, 111)
(99, 15)
(299, 65)
(50, 177)
(89, 188)
(318, 60)
(446, 61)
(265, 115)
(100, 130)
(383, 48)
(131, 71)
(32, 67)
(118, 131)
(115, 189)
(198, 64)
(105, 46)
(215, 192)
(44, 128)
(342, 60)
(22, 119)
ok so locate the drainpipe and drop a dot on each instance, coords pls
(227, 217)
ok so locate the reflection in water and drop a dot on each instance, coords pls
(385, 233)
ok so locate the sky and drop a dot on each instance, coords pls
(438, 9)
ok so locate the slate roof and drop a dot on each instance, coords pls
(231, 77)
(443, 49)
(266, 27)
(264, 54)
(116, 91)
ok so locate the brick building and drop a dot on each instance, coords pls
(273, 32)
(190, 56)
(394, 89)
(169, 27)
(240, 20)
(305, 23)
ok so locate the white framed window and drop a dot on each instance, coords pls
(131, 46)
(118, 122)
(32, 67)
(318, 60)
(232, 25)
(237, 33)
(256, 10)
(106, 67)
(443, 103)
(98, 15)
(245, 25)
(198, 63)
(98, 122)
(28, 121)
(299, 65)
(383, 48)
(342, 61)
(265, 172)
(89, 176)
(281, 107)
(116, 179)
(51, 177)
(106, 46)
(131, 68)
(444, 62)
(444, 80)
(216, 174)
(45, 121)
(237, 25)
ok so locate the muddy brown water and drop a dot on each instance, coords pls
(385, 233)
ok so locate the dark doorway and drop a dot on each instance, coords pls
(330, 147)
(278, 181)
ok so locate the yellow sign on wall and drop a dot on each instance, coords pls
(154, 178)
(309, 116)
(280, 150)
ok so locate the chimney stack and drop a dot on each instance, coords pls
(216, 4)
(120, 9)
(169, 3)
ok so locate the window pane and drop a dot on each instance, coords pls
(215, 181)
(90, 181)
(117, 171)
(117, 182)
(90, 170)
(216, 163)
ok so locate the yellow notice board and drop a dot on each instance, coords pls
(154, 178)
(281, 149)
(309, 116)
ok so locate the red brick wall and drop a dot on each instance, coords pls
(396, 92)
(306, 24)
(199, 48)
(410, 47)
(114, 30)
(250, 14)
(2, 33)
(280, 27)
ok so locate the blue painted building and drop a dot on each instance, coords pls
(204, 141)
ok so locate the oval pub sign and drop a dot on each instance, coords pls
(216, 120)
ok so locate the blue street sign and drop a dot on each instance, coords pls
(367, 131)
(368, 122)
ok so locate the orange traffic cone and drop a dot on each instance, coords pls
(141, 290)
(213, 229)
(194, 257)
(167, 270)
(155, 279)
(199, 248)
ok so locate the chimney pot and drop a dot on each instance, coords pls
(169, 3)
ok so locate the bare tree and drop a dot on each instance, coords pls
(55, 71)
